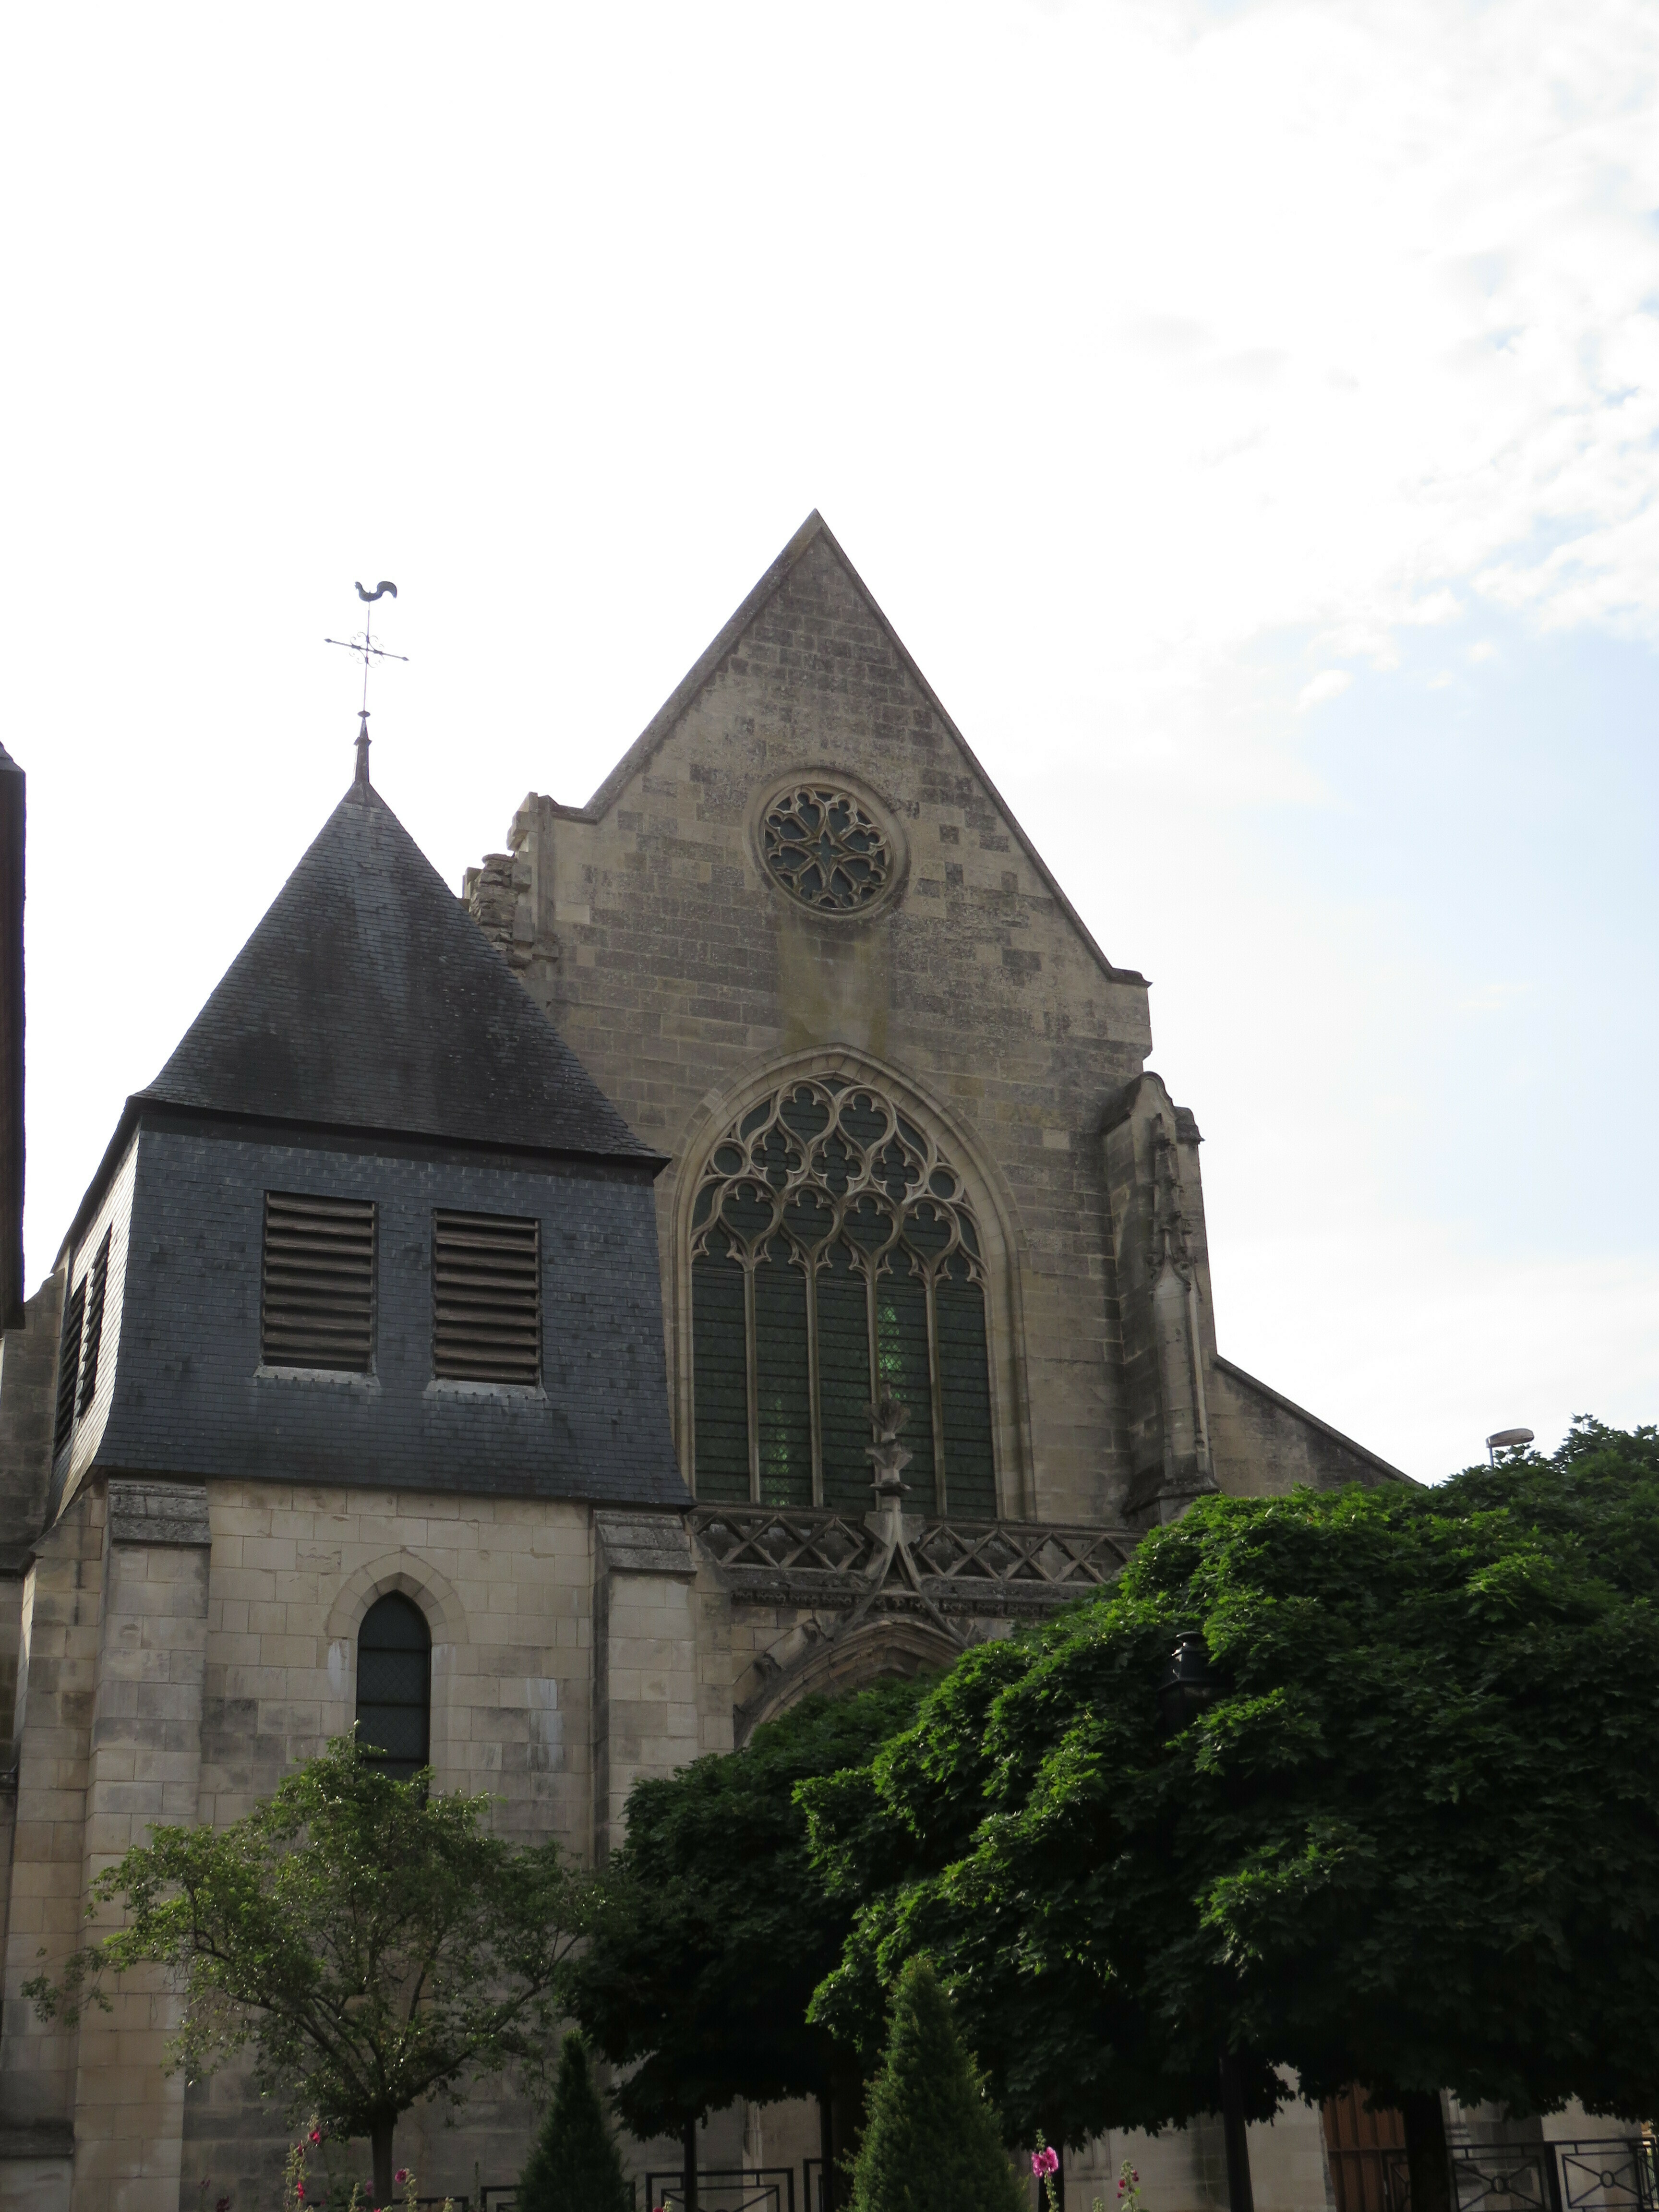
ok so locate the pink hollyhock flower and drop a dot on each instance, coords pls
(401, 2176)
(316, 2135)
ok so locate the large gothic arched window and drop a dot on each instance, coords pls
(833, 1255)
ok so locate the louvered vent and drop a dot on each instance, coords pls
(486, 1298)
(92, 1336)
(69, 1366)
(317, 1309)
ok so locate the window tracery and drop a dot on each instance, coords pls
(826, 848)
(834, 1254)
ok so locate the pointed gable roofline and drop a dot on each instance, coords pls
(368, 1001)
(644, 747)
(368, 998)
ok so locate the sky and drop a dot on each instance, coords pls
(1246, 415)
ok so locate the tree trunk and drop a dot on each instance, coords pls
(688, 2159)
(1427, 2157)
(379, 2140)
(1240, 2196)
(847, 2110)
(826, 2150)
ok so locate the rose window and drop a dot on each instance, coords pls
(824, 847)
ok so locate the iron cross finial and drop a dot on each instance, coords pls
(364, 646)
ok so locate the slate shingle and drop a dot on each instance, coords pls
(368, 998)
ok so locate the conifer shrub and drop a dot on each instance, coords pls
(933, 2142)
(573, 2166)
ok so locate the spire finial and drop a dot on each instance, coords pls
(364, 646)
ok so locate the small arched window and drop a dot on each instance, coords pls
(835, 1256)
(394, 1686)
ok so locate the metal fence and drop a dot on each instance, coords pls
(1586, 2174)
(494, 2196)
(726, 2189)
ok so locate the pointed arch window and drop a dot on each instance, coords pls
(834, 1252)
(394, 1686)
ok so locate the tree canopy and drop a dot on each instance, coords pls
(1412, 1842)
(713, 1929)
(367, 1938)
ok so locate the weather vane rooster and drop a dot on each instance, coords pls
(364, 646)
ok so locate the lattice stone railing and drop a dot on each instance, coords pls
(800, 1556)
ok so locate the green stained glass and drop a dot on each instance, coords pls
(782, 1379)
(844, 1382)
(720, 1374)
(901, 1358)
(965, 1391)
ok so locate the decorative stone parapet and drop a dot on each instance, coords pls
(768, 1555)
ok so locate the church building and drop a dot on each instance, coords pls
(474, 1329)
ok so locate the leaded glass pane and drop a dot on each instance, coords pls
(964, 1389)
(844, 1381)
(783, 1392)
(830, 1240)
(394, 1686)
(902, 1362)
(721, 1376)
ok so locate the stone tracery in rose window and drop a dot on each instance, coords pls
(833, 1252)
(826, 848)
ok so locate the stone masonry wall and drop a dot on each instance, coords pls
(677, 970)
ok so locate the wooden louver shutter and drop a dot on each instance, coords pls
(486, 1298)
(318, 1307)
(98, 1281)
(68, 1367)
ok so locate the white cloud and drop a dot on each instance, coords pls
(1329, 684)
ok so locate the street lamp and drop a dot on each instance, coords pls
(1501, 1439)
(1187, 1688)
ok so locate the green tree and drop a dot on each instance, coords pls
(712, 1928)
(1412, 1841)
(933, 2143)
(368, 1940)
(573, 2166)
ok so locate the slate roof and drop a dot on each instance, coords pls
(368, 998)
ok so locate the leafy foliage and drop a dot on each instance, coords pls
(368, 1939)
(713, 1929)
(933, 2144)
(573, 2166)
(1414, 1843)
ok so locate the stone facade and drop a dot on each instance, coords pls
(688, 982)
(187, 1578)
